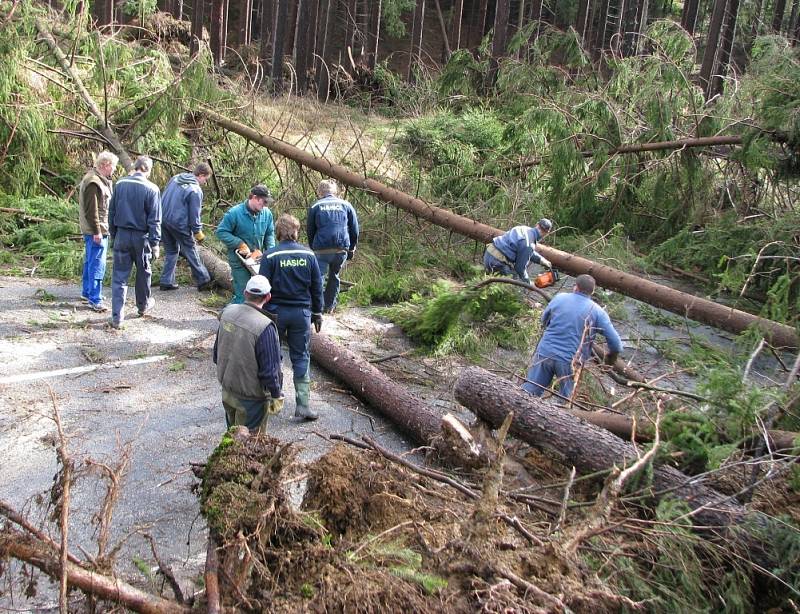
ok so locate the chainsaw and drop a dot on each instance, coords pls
(546, 278)
(250, 263)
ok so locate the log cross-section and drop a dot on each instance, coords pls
(682, 303)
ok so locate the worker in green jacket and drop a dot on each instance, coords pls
(248, 229)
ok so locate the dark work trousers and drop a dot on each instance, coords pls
(330, 264)
(176, 242)
(294, 327)
(131, 248)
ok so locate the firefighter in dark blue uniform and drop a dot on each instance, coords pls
(293, 272)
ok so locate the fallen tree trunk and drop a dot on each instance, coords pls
(25, 548)
(588, 447)
(687, 305)
(392, 400)
(219, 270)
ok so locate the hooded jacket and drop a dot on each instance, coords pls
(182, 202)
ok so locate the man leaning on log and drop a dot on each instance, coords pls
(570, 321)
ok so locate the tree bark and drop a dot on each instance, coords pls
(20, 546)
(301, 48)
(323, 73)
(245, 21)
(198, 16)
(267, 29)
(416, 39)
(587, 447)
(455, 31)
(217, 34)
(369, 384)
(777, 15)
(374, 32)
(710, 55)
(726, 46)
(692, 307)
(446, 51)
(278, 42)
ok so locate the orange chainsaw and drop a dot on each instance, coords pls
(546, 278)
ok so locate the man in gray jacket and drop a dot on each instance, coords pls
(181, 228)
(134, 224)
(248, 358)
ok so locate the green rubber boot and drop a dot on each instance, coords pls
(302, 391)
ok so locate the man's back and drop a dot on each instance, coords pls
(332, 223)
(136, 204)
(571, 322)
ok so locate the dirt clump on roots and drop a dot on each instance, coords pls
(370, 536)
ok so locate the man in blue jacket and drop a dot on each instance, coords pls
(134, 225)
(181, 228)
(293, 271)
(332, 229)
(248, 358)
(510, 253)
(571, 321)
(248, 229)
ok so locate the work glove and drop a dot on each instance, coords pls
(316, 320)
(611, 358)
(350, 254)
(199, 236)
(545, 262)
(255, 254)
(243, 249)
(156, 251)
(274, 406)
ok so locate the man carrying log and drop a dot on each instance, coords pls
(181, 227)
(248, 358)
(247, 229)
(570, 321)
(93, 196)
(510, 253)
(297, 303)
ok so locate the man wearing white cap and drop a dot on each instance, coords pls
(248, 358)
(510, 253)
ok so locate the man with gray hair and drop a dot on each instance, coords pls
(182, 228)
(134, 223)
(570, 321)
(332, 229)
(94, 194)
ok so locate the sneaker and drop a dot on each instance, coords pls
(151, 302)
(169, 287)
(98, 307)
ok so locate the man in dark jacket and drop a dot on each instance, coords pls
(134, 224)
(570, 321)
(332, 229)
(248, 358)
(511, 252)
(247, 229)
(93, 196)
(296, 301)
(181, 228)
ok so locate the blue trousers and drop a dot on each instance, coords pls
(131, 248)
(330, 265)
(493, 265)
(294, 328)
(176, 242)
(240, 278)
(542, 372)
(94, 269)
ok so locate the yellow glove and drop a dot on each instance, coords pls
(255, 254)
(243, 249)
(199, 236)
(274, 406)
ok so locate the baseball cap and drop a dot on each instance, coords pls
(262, 191)
(545, 224)
(258, 286)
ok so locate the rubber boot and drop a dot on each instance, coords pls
(302, 390)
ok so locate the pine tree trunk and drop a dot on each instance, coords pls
(245, 20)
(278, 43)
(374, 32)
(197, 26)
(350, 23)
(445, 42)
(217, 35)
(710, 57)
(291, 28)
(483, 9)
(582, 19)
(499, 39)
(323, 74)
(416, 39)
(267, 29)
(777, 15)
(726, 46)
(455, 28)
(302, 44)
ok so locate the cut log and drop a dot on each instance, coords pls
(587, 447)
(25, 548)
(687, 305)
(392, 400)
(219, 270)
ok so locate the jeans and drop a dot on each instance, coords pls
(94, 269)
(330, 265)
(542, 372)
(131, 248)
(177, 242)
